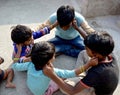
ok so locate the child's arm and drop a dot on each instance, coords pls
(44, 31)
(49, 71)
(90, 63)
(82, 32)
(53, 25)
(87, 27)
(18, 53)
(44, 24)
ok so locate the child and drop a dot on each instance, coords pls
(22, 36)
(7, 74)
(67, 39)
(44, 53)
(103, 77)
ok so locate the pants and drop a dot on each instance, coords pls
(68, 47)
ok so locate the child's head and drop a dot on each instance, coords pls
(21, 35)
(42, 53)
(65, 16)
(99, 42)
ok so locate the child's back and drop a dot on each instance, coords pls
(41, 53)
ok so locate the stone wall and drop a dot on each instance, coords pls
(93, 8)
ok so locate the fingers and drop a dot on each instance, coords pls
(95, 59)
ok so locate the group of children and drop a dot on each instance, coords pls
(37, 58)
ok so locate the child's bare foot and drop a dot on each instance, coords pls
(10, 85)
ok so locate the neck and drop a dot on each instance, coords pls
(105, 59)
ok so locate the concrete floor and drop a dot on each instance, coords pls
(28, 11)
(32, 12)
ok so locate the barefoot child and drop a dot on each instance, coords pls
(7, 74)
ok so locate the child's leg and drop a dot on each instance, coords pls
(53, 87)
(82, 59)
(73, 82)
(73, 47)
(59, 45)
(67, 46)
(57, 42)
(9, 74)
(77, 46)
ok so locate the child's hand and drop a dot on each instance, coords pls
(27, 59)
(17, 55)
(93, 61)
(53, 25)
(74, 24)
(48, 70)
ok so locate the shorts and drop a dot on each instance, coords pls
(2, 75)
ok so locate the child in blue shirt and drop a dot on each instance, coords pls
(22, 36)
(67, 39)
(42, 54)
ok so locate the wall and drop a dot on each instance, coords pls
(93, 8)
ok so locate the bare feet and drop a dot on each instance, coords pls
(10, 85)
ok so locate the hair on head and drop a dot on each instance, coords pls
(41, 53)
(20, 34)
(100, 42)
(65, 15)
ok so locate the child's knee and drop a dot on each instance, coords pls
(9, 70)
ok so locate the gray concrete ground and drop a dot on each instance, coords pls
(31, 13)
(28, 11)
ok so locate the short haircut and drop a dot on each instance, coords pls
(20, 34)
(41, 53)
(100, 42)
(65, 14)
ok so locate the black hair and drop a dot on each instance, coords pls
(41, 53)
(65, 14)
(20, 34)
(100, 42)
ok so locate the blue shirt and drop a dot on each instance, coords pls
(37, 82)
(70, 33)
